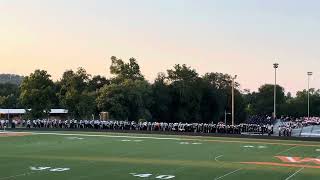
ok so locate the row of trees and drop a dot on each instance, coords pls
(179, 95)
(10, 78)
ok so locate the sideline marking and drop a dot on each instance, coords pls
(184, 143)
(128, 140)
(228, 174)
(74, 138)
(180, 139)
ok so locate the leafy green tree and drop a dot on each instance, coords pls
(9, 96)
(264, 99)
(249, 99)
(129, 100)
(298, 106)
(211, 106)
(186, 97)
(128, 97)
(74, 93)
(221, 84)
(112, 98)
(124, 71)
(161, 99)
(37, 93)
(97, 82)
(11, 79)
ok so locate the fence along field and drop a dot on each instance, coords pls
(63, 155)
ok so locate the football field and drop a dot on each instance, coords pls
(102, 156)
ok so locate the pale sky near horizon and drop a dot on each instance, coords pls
(243, 37)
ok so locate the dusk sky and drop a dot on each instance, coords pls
(243, 37)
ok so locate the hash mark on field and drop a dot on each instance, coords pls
(248, 146)
(184, 143)
(228, 174)
(128, 140)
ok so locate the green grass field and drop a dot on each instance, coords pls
(101, 156)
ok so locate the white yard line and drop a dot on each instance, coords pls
(295, 173)
(216, 158)
(228, 174)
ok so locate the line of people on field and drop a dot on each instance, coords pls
(146, 126)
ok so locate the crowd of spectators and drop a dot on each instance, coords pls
(260, 120)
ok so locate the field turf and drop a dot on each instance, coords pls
(103, 156)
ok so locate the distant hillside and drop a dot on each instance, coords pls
(10, 78)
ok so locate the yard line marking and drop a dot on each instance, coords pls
(228, 174)
(292, 175)
(216, 158)
(287, 150)
(180, 139)
(19, 175)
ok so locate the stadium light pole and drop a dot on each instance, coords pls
(275, 66)
(233, 84)
(309, 75)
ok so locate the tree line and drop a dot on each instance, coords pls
(10, 78)
(178, 95)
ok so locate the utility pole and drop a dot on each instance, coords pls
(225, 117)
(309, 75)
(233, 84)
(275, 66)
